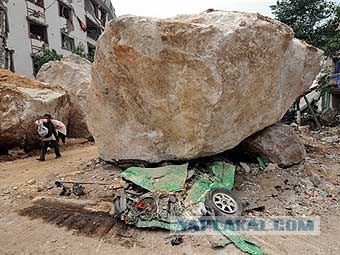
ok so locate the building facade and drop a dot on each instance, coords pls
(6, 56)
(66, 26)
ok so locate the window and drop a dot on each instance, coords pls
(67, 42)
(93, 30)
(91, 50)
(65, 11)
(38, 2)
(91, 7)
(38, 31)
(102, 17)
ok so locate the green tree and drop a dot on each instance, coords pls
(43, 57)
(315, 21)
(80, 52)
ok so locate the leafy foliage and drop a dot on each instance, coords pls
(315, 21)
(43, 57)
(329, 39)
(80, 52)
(47, 55)
(324, 81)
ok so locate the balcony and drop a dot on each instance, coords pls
(35, 12)
(91, 7)
(38, 36)
(37, 2)
(100, 10)
(37, 46)
(67, 41)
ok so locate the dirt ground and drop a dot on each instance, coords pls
(310, 188)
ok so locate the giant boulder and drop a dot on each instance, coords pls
(74, 74)
(193, 85)
(22, 101)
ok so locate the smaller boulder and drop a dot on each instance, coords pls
(22, 102)
(73, 73)
(316, 180)
(278, 143)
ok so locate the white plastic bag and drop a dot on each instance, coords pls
(42, 131)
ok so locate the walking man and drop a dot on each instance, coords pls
(59, 127)
(49, 139)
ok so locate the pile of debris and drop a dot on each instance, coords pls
(169, 191)
(164, 197)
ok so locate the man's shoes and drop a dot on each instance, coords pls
(40, 159)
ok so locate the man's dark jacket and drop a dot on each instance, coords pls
(51, 129)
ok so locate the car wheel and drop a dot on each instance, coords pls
(223, 203)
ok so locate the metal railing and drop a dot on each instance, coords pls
(36, 15)
(37, 2)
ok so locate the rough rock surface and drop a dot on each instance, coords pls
(22, 101)
(278, 144)
(193, 85)
(74, 74)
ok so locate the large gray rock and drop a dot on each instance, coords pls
(193, 85)
(279, 144)
(22, 101)
(74, 74)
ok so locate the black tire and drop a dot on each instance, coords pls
(220, 198)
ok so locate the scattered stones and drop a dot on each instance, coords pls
(331, 139)
(218, 241)
(312, 161)
(271, 167)
(327, 187)
(291, 197)
(16, 152)
(40, 188)
(307, 184)
(245, 167)
(315, 179)
(31, 182)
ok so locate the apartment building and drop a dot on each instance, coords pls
(63, 25)
(5, 53)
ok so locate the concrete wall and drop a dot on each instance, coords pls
(18, 37)
(54, 35)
